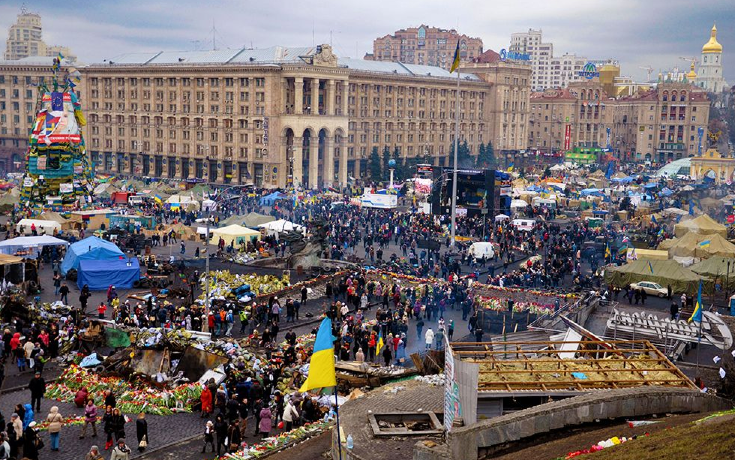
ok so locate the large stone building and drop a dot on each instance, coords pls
(550, 71)
(274, 115)
(425, 45)
(25, 39)
(657, 125)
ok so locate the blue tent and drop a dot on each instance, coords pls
(100, 274)
(91, 248)
(269, 200)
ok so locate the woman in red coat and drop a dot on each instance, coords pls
(206, 399)
(81, 397)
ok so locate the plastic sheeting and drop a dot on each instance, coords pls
(91, 248)
(100, 274)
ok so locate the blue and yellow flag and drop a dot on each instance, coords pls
(510, 167)
(650, 267)
(697, 313)
(321, 364)
(607, 251)
(704, 244)
(157, 198)
(455, 61)
(380, 342)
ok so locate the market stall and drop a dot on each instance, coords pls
(27, 246)
(24, 227)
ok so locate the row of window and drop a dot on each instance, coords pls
(259, 82)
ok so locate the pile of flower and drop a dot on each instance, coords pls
(614, 441)
(493, 303)
(222, 283)
(67, 421)
(130, 398)
(278, 442)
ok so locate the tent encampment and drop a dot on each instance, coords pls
(42, 226)
(663, 272)
(269, 200)
(703, 225)
(254, 219)
(280, 225)
(90, 248)
(234, 233)
(702, 246)
(13, 245)
(716, 268)
(100, 274)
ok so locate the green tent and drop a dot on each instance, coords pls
(716, 268)
(663, 272)
(254, 219)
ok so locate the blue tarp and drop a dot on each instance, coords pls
(624, 180)
(100, 274)
(269, 200)
(91, 248)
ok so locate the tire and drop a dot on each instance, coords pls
(136, 284)
(661, 295)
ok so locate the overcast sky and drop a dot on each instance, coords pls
(636, 32)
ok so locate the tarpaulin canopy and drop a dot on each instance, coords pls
(269, 200)
(13, 245)
(91, 248)
(234, 233)
(100, 274)
(42, 226)
(716, 268)
(663, 272)
(665, 245)
(280, 225)
(703, 224)
(254, 219)
(702, 246)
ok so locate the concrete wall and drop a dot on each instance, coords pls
(464, 442)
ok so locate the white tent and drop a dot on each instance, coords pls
(280, 225)
(518, 204)
(12, 246)
(42, 226)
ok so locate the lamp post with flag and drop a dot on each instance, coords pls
(455, 66)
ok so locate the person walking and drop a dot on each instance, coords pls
(118, 424)
(265, 425)
(141, 430)
(64, 291)
(121, 451)
(90, 418)
(429, 338)
(30, 442)
(37, 385)
(94, 454)
(208, 435)
(109, 429)
(220, 429)
(55, 422)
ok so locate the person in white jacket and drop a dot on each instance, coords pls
(429, 338)
(290, 414)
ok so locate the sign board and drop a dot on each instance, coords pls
(451, 389)
(730, 219)
(713, 329)
(41, 163)
(28, 182)
(66, 188)
(589, 71)
(514, 56)
(567, 136)
(506, 191)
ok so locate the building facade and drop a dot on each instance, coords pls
(277, 115)
(549, 71)
(710, 77)
(657, 125)
(425, 45)
(25, 39)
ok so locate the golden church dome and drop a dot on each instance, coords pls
(712, 46)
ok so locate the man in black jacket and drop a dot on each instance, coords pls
(37, 386)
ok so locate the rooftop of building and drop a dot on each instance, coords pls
(42, 61)
(557, 94)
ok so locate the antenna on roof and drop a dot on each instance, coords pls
(214, 36)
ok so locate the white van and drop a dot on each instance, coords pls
(480, 250)
(526, 225)
(136, 200)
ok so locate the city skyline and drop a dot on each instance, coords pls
(624, 31)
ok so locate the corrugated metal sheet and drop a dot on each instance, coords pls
(133, 58)
(195, 57)
(274, 54)
(374, 66)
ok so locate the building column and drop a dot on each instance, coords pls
(164, 167)
(297, 158)
(331, 97)
(342, 165)
(298, 102)
(357, 167)
(284, 97)
(345, 96)
(315, 96)
(329, 161)
(314, 163)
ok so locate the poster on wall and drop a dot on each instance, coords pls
(41, 163)
(66, 188)
(27, 182)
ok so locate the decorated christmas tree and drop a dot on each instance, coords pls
(58, 174)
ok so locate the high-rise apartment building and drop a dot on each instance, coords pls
(549, 71)
(425, 45)
(25, 39)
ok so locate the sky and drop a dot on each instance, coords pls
(638, 33)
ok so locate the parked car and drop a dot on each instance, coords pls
(651, 288)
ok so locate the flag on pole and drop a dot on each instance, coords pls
(650, 267)
(321, 364)
(455, 61)
(510, 167)
(607, 251)
(380, 343)
(697, 313)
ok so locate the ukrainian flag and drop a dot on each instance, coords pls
(455, 61)
(321, 364)
(704, 244)
(650, 267)
(380, 343)
(697, 313)
(510, 167)
(158, 199)
(607, 251)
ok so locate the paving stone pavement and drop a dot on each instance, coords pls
(162, 430)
